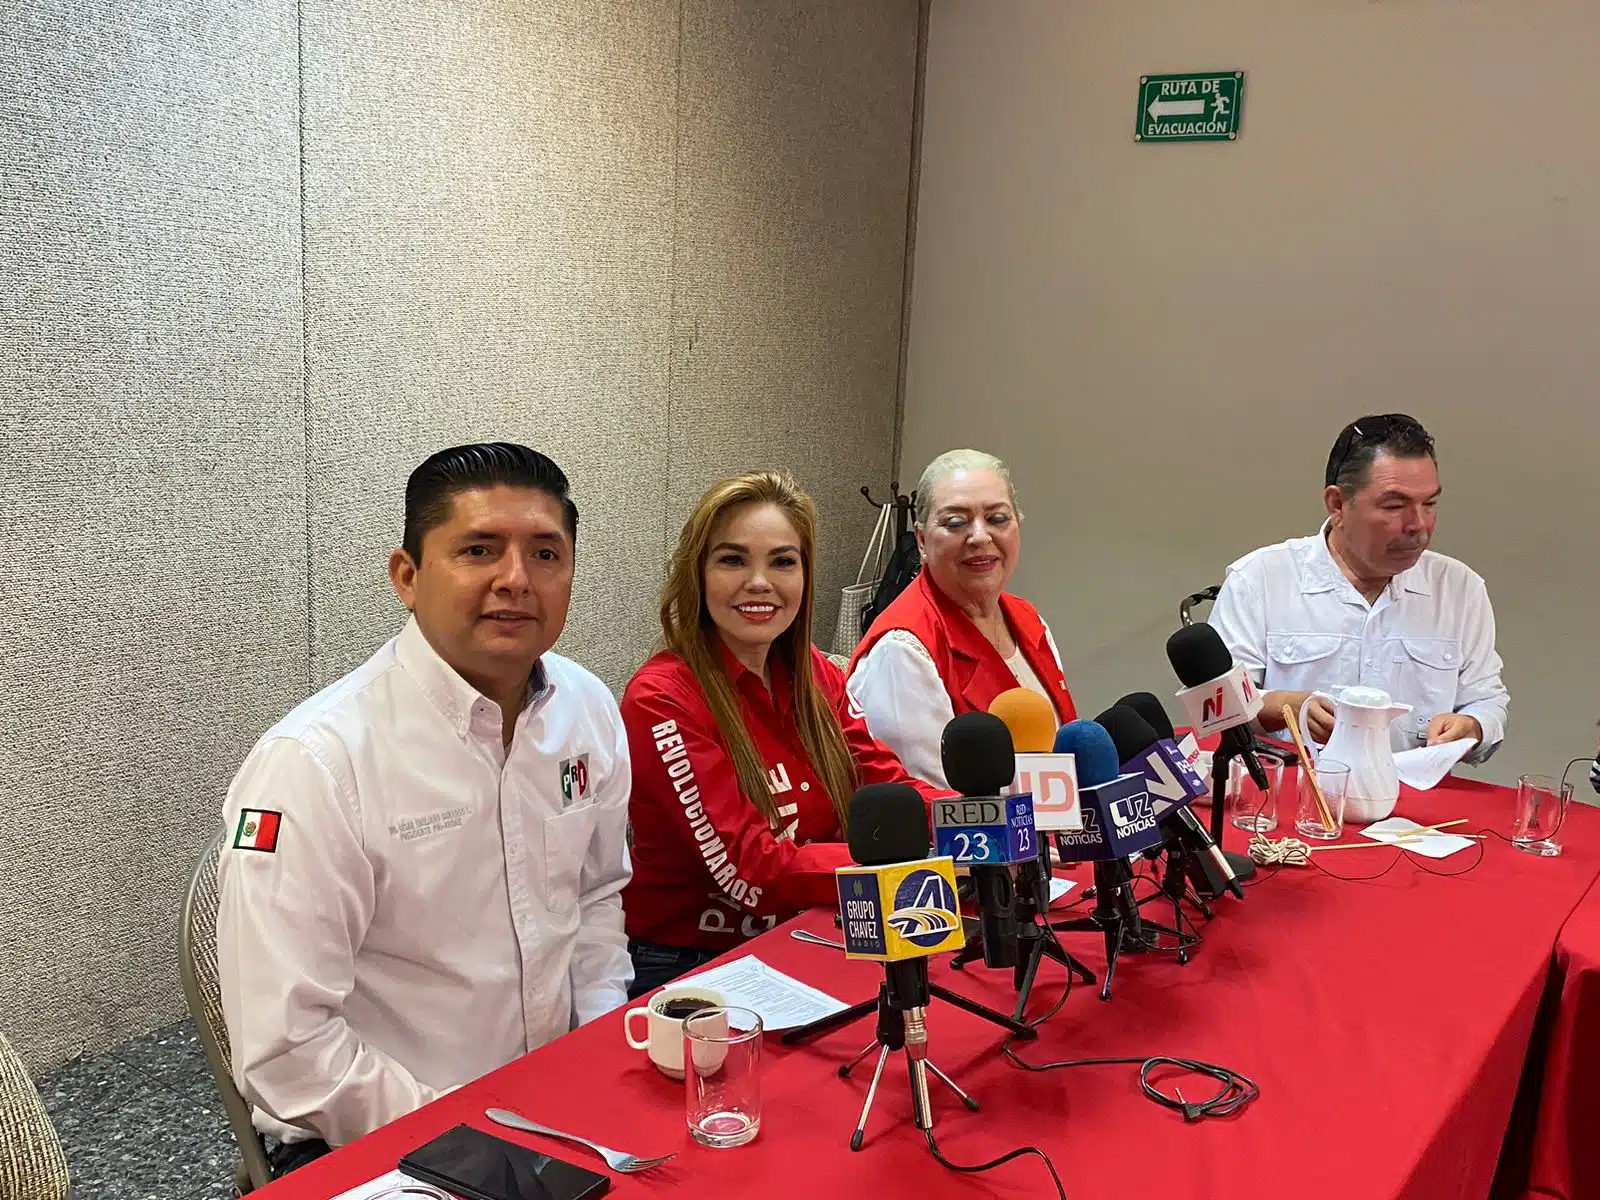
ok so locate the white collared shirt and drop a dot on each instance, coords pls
(897, 685)
(1290, 616)
(436, 905)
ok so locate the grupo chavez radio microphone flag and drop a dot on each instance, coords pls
(899, 903)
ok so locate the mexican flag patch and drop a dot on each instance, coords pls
(258, 830)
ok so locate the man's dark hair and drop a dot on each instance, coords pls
(1359, 443)
(433, 486)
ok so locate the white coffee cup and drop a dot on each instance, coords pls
(663, 1034)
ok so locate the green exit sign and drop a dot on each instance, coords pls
(1189, 108)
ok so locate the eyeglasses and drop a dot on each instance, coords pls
(1374, 430)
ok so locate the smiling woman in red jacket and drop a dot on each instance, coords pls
(745, 746)
(955, 638)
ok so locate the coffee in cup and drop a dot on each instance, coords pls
(664, 1016)
(681, 1007)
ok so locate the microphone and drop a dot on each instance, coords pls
(1148, 706)
(1043, 796)
(1173, 782)
(983, 830)
(1217, 696)
(898, 907)
(1152, 710)
(1028, 716)
(898, 903)
(1168, 775)
(1117, 822)
(1051, 779)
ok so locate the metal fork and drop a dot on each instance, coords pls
(617, 1160)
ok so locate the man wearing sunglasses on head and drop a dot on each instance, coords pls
(1364, 601)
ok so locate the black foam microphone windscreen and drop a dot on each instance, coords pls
(977, 754)
(888, 823)
(1152, 710)
(1198, 655)
(1130, 733)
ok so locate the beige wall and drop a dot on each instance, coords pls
(1165, 339)
(258, 258)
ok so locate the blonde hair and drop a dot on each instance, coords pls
(688, 632)
(952, 461)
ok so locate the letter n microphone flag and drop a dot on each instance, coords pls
(258, 830)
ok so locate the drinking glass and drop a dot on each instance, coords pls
(1252, 809)
(1542, 802)
(722, 1075)
(1335, 780)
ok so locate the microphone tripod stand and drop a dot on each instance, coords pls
(1036, 938)
(1181, 875)
(902, 1000)
(1117, 916)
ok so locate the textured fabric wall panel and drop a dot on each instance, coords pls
(152, 526)
(488, 230)
(794, 160)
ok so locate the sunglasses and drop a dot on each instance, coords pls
(1368, 431)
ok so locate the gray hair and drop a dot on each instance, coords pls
(949, 463)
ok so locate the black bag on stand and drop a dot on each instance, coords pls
(904, 563)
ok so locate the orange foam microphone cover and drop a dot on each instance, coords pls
(1029, 717)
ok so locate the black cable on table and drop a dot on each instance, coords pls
(933, 1146)
(939, 1158)
(1237, 1088)
(1401, 855)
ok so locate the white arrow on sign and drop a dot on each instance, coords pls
(1177, 108)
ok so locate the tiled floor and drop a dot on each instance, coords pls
(143, 1122)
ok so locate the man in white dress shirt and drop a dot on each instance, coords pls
(1364, 601)
(423, 863)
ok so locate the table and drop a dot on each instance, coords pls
(1561, 1093)
(1386, 1022)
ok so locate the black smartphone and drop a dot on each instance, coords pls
(479, 1166)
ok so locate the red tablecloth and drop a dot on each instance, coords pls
(1386, 1022)
(1566, 1152)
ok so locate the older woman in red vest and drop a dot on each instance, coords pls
(955, 638)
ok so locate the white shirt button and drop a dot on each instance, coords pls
(804, 786)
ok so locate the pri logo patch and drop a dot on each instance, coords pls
(574, 779)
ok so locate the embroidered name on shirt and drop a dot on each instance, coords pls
(409, 829)
(675, 757)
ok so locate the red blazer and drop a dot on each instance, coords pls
(971, 669)
(708, 872)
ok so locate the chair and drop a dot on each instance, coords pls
(1201, 597)
(197, 968)
(32, 1165)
